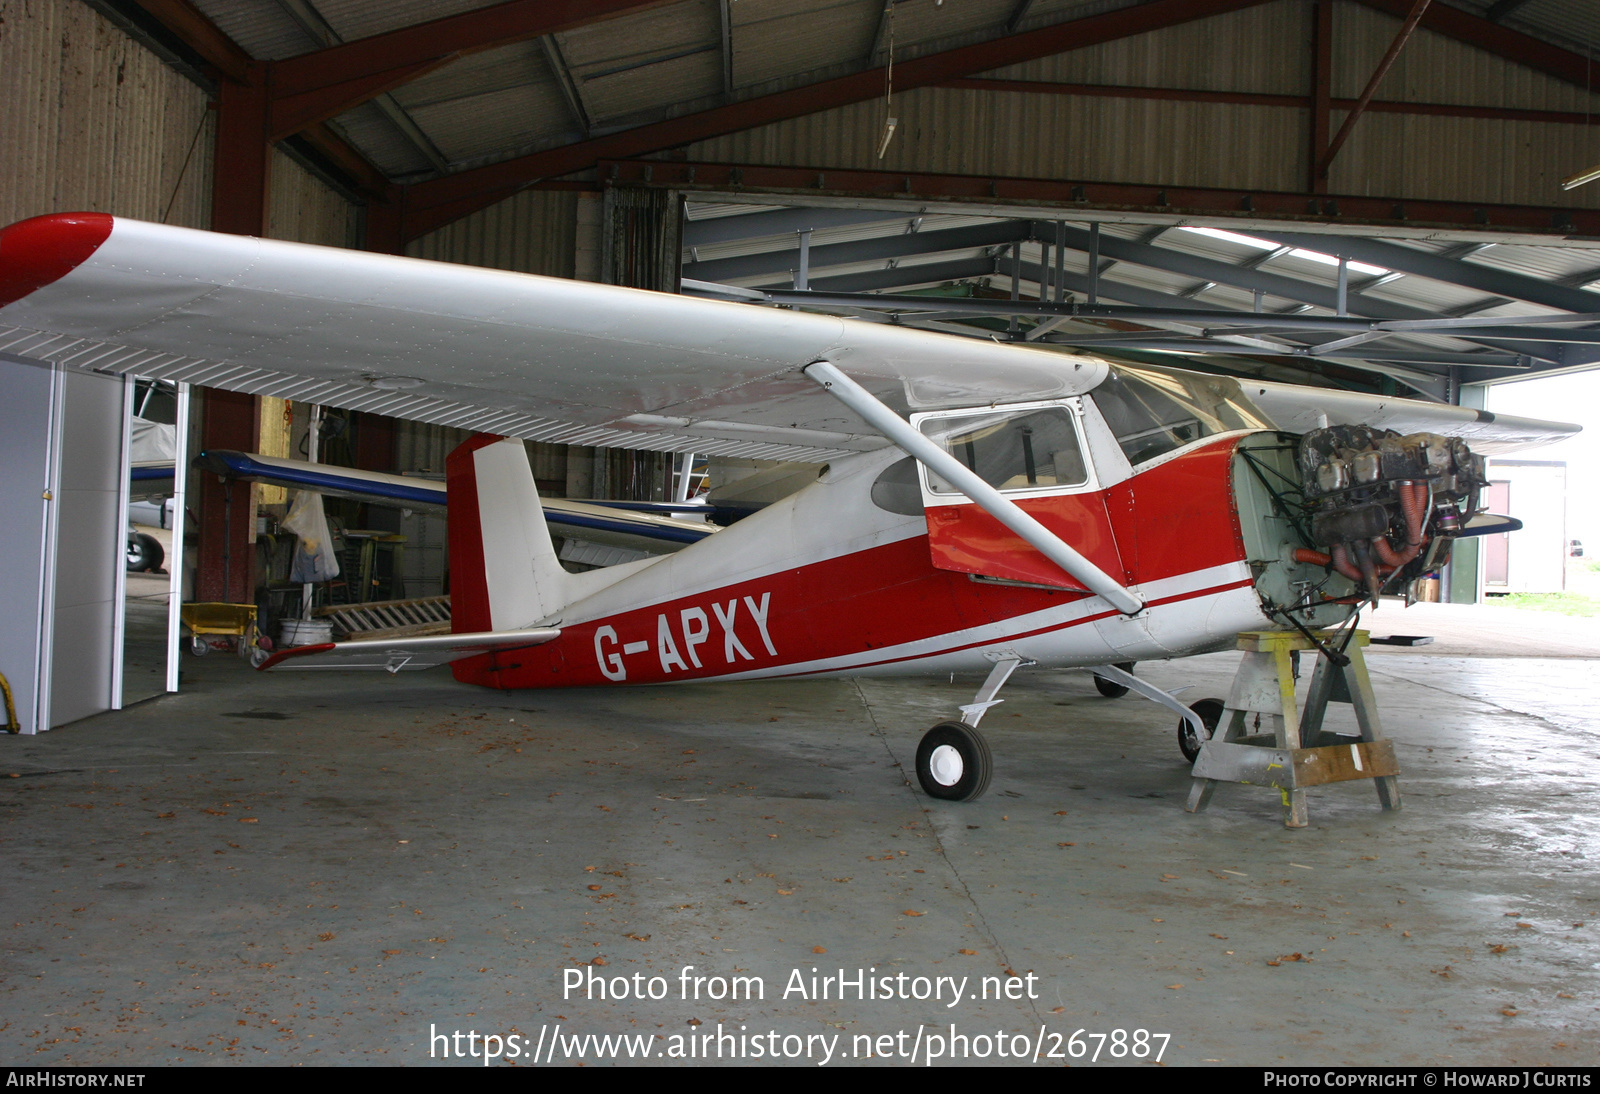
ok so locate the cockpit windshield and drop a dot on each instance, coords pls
(1153, 413)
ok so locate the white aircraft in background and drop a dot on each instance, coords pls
(976, 506)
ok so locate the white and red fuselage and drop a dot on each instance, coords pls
(827, 582)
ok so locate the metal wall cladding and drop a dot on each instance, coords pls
(1466, 159)
(1436, 69)
(94, 121)
(532, 232)
(666, 54)
(1040, 136)
(1264, 49)
(304, 209)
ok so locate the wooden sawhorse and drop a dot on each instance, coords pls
(1261, 739)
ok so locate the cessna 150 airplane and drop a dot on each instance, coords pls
(976, 505)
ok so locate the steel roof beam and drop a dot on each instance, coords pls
(1289, 288)
(1452, 271)
(774, 222)
(441, 39)
(862, 250)
(929, 273)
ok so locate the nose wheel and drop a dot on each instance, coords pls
(953, 762)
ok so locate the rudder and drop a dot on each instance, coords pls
(504, 574)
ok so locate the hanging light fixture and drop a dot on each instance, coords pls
(889, 121)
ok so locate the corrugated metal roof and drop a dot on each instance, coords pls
(263, 30)
(1565, 22)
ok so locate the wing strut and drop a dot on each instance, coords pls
(953, 471)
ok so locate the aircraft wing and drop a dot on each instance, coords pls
(646, 529)
(513, 354)
(404, 654)
(1301, 409)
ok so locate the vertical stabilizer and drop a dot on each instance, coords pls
(504, 574)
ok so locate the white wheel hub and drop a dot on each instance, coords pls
(946, 765)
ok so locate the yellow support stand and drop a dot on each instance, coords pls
(1262, 739)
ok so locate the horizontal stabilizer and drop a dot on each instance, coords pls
(397, 654)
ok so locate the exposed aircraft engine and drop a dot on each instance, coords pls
(1386, 507)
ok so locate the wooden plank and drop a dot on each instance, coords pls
(1343, 763)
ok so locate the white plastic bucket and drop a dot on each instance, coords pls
(306, 632)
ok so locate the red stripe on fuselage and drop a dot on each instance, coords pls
(1178, 518)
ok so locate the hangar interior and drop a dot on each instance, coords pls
(1358, 195)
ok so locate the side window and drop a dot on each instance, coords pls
(1153, 413)
(1012, 449)
(1148, 422)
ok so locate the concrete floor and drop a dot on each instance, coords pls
(322, 868)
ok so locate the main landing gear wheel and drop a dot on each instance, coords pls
(953, 762)
(145, 553)
(1210, 711)
(1111, 689)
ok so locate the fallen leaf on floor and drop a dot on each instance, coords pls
(969, 953)
(1221, 936)
(910, 912)
(1509, 1012)
(819, 949)
(1497, 948)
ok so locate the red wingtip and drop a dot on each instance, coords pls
(35, 252)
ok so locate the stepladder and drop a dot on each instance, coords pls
(1264, 738)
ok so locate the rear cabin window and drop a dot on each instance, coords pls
(1012, 450)
(1153, 413)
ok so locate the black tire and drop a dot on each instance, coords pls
(1110, 689)
(1210, 711)
(144, 553)
(953, 762)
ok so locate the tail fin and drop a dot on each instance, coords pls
(504, 574)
